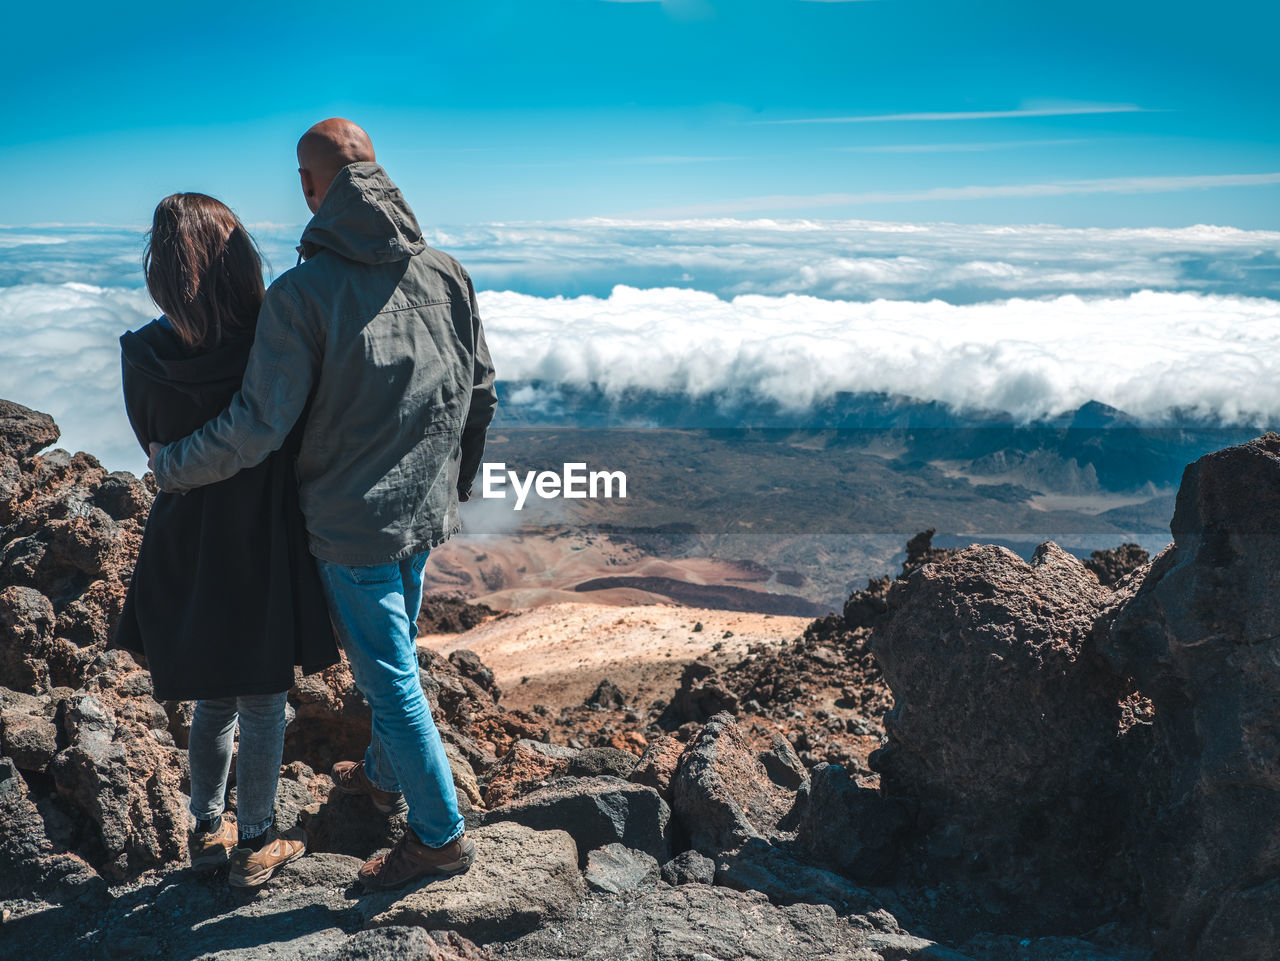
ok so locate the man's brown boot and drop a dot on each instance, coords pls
(210, 849)
(349, 778)
(252, 868)
(411, 860)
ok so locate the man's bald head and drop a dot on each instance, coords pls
(324, 150)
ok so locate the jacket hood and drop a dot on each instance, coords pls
(155, 353)
(364, 218)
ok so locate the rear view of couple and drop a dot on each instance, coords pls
(311, 442)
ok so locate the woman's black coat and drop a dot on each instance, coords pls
(225, 598)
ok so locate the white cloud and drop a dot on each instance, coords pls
(1143, 353)
(1029, 319)
(61, 356)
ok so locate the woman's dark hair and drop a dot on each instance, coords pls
(203, 270)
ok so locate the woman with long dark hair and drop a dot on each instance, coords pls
(225, 598)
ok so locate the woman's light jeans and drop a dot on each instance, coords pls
(262, 723)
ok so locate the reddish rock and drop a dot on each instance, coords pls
(122, 770)
(722, 792)
(657, 765)
(526, 767)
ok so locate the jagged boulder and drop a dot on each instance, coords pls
(24, 432)
(616, 868)
(595, 761)
(28, 731)
(1200, 637)
(27, 625)
(122, 770)
(30, 863)
(722, 792)
(1112, 566)
(657, 765)
(528, 766)
(595, 811)
(849, 828)
(702, 695)
(1005, 730)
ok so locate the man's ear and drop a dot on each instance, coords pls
(308, 184)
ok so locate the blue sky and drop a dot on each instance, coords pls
(1084, 114)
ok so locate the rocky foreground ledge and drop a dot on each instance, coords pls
(1081, 761)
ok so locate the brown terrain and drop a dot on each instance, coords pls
(978, 757)
(559, 653)
(557, 565)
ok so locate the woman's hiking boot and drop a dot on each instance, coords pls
(250, 868)
(210, 849)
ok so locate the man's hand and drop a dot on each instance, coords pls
(151, 460)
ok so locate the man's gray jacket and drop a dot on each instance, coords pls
(381, 334)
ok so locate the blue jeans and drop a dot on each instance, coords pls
(374, 611)
(262, 720)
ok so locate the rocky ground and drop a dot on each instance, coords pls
(979, 758)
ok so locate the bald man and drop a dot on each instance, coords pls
(377, 337)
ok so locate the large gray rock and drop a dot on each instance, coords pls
(28, 732)
(30, 864)
(595, 811)
(122, 770)
(695, 922)
(1005, 732)
(722, 793)
(1201, 639)
(24, 432)
(521, 879)
(615, 868)
(848, 828)
(689, 867)
(405, 944)
(758, 866)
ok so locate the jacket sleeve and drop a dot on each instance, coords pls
(484, 401)
(283, 364)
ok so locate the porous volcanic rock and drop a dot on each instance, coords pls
(595, 811)
(615, 868)
(29, 861)
(527, 766)
(24, 432)
(1005, 730)
(1200, 638)
(28, 729)
(849, 828)
(403, 943)
(521, 879)
(697, 922)
(122, 769)
(722, 792)
(1114, 565)
(657, 765)
(69, 533)
(593, 761)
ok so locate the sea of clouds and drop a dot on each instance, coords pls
(1032, 320)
